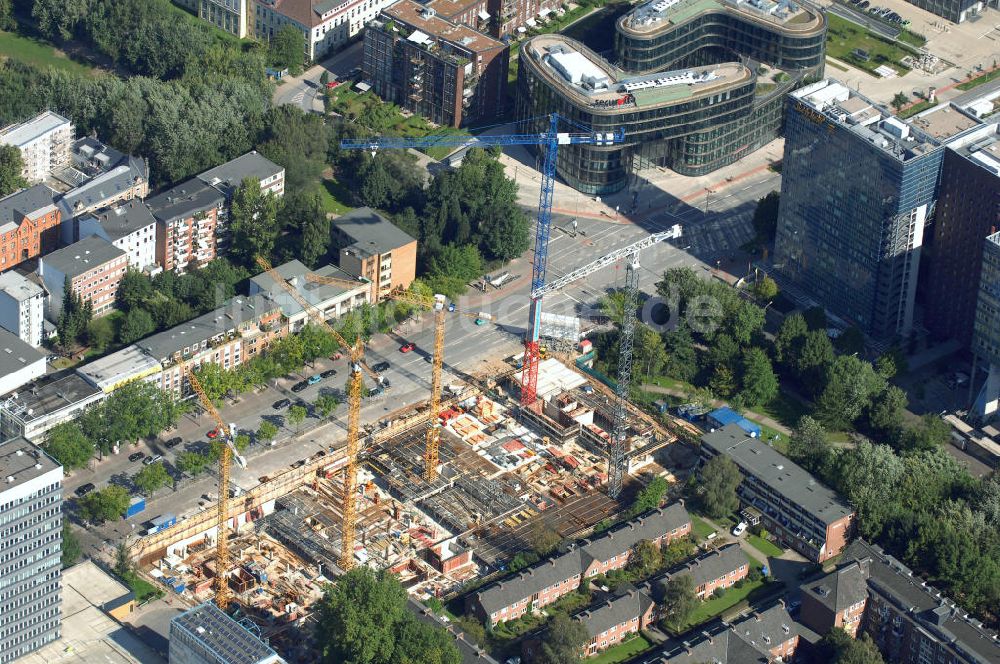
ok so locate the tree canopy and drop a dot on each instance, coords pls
(720, 479)
(11, 166)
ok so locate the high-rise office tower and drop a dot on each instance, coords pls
(858, 186)
(986, 337)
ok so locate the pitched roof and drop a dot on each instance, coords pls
(19, 287)
(471, 653)
(81, 257)
(842, 588)
(648, 526)
(599, 618)
(26, 202)
(305, 12)
(766, 629)
(529, 581)
(99, 189)
(370, 232)
(29, 130)
(778, 472)
(228, 176)
(184, 200)
(707, 567)
(15, 354)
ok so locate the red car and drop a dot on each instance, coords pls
(332, 84)
(407, 347)
(213, 434)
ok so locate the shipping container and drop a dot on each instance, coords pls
(136, 505)
(161, 522)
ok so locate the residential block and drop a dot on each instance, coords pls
(372, 247)
(22, 307)
(187, 220)
(29, 225)
(44, 142)
(94, 268)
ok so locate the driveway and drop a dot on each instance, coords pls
(305, 90)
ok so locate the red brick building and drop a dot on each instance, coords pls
(610, 622)
(29, 225)
(837, 599)
(94, 268)
(187, 220)
(718, 568)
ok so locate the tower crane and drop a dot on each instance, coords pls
(618, 447)
(549, 141)
(357, 351)
(226, 454)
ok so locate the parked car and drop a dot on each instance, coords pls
(173, 442)
(336, 356)
(407, 347)
(315, 378)
(740, 528)
(299, 386)
(328, 373)
(149, 461)
(135, 456)
(84, 489)
(381, 366)
(281, 403)
(213, 434)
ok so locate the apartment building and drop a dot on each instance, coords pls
(233, 16)
(22, 307)
(98, 177)
(765, 635)
(94, 268)
(325, 24)
(513, 18)
(608, 623)
(909, 620)
(44, 142)
(46, 403)
(187, 219)
(29, 225)
(372, 247)
(548, 580)
(228, 337)
(229, 176)
(718, 568)
(800, 511)
(435, 67)
(206, 635)
(30, 549)
(19, 363)
(130, 226)
(332, 301)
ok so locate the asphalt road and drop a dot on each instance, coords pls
(304, 91)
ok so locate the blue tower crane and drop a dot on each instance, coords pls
(549, 142)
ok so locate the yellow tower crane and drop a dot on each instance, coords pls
(357, 351)
(226, 454)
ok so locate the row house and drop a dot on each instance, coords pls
(608, 624)
(548, 580)
(910, 621)
(801, 512)
(187, 217)
(29, 225)
(712, 570)
(93, 267)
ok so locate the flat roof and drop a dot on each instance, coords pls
(29, 130)
(15, 354)
(427, 21)
(778, 472)
(125, 219)
(83, 256)
(944, 121)
(96, 586)
(786, 15)
(184, 200)
(23, 461)
(317, 294)
(110, 371)
(18, 286)
(232, 173)
(451, 8)
(370, 232)
(594, 81)
(981, 147)
(230, 642)
(53, 393)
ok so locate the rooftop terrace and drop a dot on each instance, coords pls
(788, 15)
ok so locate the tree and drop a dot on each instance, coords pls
(931, 433)
(69, 446)
(266, 432)
(899, 100)
(6, 21)
(744, 321)
(813, 361)
(58, 18)
(649, 353)
(649, 497)
(564, 641)
(815, 318)
(646, 558)
(152, 477)
(242, 442)
(682, 361)
(192, 463)
(422, 643)
(74, 316)
(766, 289)
(765, 217)
(760, 385)
(105, 505)
(138, 323)
(452, 267)
(808, 445)
(288, 49)
(722, 383)
(359, 617)
(542, 539)
(71, 549)
(325, 404)
(885, 416)
(851, 341)
(324, 78)
(296, 415)
(123, 562)
(253, 220)
(11, 167)
(720, 478)
(789, 340)
(837, 647)
(100, 334)
(851, 385)
(679, 601)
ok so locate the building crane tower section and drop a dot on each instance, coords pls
(549, 143)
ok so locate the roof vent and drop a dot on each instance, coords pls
(20, 453)
(38, 466)
(10, 479)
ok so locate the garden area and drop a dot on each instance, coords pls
(722, 602)
(622, 652)
(844, 38)
(980, 80)
(40, 54)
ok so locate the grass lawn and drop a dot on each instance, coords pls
(39, 53)
(912, 38)
(916, 108)
(143, 589)
(836, 65)
(334, 194)
(622, 651)
(765, 547)
(843, 37)
(701, 529)
(985, 78)
(785, 408)
(717, 605)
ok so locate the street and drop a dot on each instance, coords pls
(304, 90)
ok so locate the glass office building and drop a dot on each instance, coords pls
(857, 188)
(986, 334)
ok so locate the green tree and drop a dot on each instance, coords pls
(765, 217)
(451, 269)
(422, 643)
(325, 404)
(649, 497)
(68, 445)
(744, 322)
(192, 463)
(123, 561)
(152, 477)
(288, 49)
(760, 385)
(71, 550)
(242, 442)
(931, 433)
(100, 334)
(542, 539)
(296, 415)
(720, 478)
(837, 647)
(650, 355)
(359, 617)
(789, 340)
(305, 227)
(324, 78)
(850, 341)
(107, 504)
(809, 446)
(766, 289)
(135, 290)
(59, 18)
(266, 432)
(253, 220)
(722, 383)
(6, 19)
(813, 361)
(74, 316)
(645, 558)
(885, 416)
(851, 385)
(137, 324)
(899, 100)
(679, 601)
(11, 166)
(682, 361)
(563, 642)
(816, 318)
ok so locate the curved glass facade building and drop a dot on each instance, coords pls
(744, 57)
